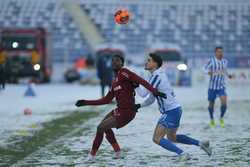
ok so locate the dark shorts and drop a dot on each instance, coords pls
(212, 94)
(123, 117)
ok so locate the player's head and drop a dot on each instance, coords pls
(154, 62)
(117, 62)
(218, 52)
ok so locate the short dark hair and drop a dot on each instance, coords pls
(218, 47)
(120, 57)
(156, 58)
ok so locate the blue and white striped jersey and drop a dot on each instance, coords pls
(218, 68)
(160, 81)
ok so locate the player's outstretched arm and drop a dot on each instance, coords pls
(129, 75)
(150, 100)
(80, 103)
(141, 91)
(105, 100)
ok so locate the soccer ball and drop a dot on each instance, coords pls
(122, 16)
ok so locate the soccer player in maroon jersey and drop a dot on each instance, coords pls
(123, 89)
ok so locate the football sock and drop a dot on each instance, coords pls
(167, 144)
(186, 140)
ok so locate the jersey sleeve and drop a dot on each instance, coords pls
(141, 91)
(149, 100)
(225, 69)
(207, 67)
(125, 74)
(105, 100)
(155, 80)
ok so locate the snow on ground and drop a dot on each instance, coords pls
(230, 144)
(50, 101)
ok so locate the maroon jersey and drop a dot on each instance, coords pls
(123, 90)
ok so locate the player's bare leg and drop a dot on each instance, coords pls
(110, 136)
(159, 133)
(105, 127)
(171, 134)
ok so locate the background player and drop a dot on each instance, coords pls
(216, 68)
(104, 72)
(122, 89)
(170, 109)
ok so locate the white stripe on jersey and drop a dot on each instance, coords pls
(219, 70)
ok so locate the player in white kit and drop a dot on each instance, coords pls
(169, 108)
(216, 68)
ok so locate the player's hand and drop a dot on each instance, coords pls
(135, 85)
(210, 73)
(136, 107)
(160, 94)
(80, 103)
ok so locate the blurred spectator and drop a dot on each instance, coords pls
(82, 71)
(90, 61)
(2, 69)
(71, 75)
(80, 63)
(35, 57)
(104, 72)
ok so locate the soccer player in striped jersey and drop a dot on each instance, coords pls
(216, 68)
(169, 108)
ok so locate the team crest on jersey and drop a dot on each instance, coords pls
(117, 88)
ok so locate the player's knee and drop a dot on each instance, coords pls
(210, 108)
(224, 106)
(172, 138)
(100, 128)
(156, 139)
(211, 103)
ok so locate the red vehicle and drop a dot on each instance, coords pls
(26, 54)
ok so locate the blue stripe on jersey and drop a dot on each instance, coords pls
(158, 102)
(217, 81)
(214, 70)
(208, 65)
(162, 102)
(154, 80)
(218, 84)
(214, 65)
(221, 83)
(159, 99)
(150, 77)
(157, 83)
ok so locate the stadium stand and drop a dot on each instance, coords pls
(197, 26)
